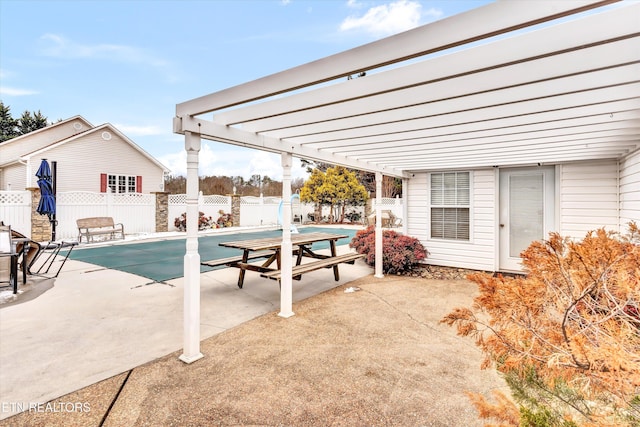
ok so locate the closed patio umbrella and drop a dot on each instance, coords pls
(47, 204)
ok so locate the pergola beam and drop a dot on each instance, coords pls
(227, 134)
(488, 21)
(571, 50)
(479, 109)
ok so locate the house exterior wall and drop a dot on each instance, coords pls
(13, 176)
(630, 190)
(588, 197)
(81, 161)
(13, 149)
(479, 252)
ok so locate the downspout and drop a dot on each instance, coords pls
(27, 171)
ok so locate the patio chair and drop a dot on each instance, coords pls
(7, 250)
(30, 255)
(51, 250)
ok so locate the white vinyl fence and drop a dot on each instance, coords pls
(15, 210)
(137, 211)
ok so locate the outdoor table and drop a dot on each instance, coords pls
(15, 255)
(302, 248)
(25, 248)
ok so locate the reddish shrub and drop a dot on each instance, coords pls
(400, 253)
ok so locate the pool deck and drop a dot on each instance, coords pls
(91, 323)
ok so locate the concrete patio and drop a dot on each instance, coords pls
(91, 323)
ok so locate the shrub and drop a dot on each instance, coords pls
(204, 222)
(400, 253)
(566, 336)
(224, 220)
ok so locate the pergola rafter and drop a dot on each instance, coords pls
(476, 90)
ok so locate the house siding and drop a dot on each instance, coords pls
(13, 149)
(114, 156)
(630, 190)
(13, 176)
(480, 252)
(588, 197)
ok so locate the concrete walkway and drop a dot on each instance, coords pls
(92, 323)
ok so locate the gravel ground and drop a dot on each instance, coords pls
(374, 357)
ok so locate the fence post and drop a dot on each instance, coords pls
(162, 211)
(40, 225)
(235, 210)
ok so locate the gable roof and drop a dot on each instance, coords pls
(48, 128)
(507, 84)
(104, 127)
(48, 145)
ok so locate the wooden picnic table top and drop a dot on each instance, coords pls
(275, 242)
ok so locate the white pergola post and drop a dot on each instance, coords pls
(191, 350)
(286, 262)
(378, 257)
(405, 208)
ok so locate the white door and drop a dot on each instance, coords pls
(527, 211)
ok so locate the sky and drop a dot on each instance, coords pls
(129, 62)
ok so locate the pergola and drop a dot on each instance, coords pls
(511, 83)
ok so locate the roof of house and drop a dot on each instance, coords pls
(91, 129)
(47, 128)
(507, 84)
(102, 128)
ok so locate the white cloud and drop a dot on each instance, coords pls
(61, 47)
(386, 19)
(221, 160)
(11, 91)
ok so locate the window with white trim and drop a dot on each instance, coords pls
(122, 183)
(450, 205)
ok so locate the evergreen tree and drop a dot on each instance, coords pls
(11, 128)
(8, 125)
(29, 122)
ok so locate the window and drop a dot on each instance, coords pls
(121, 183)
(450, 202)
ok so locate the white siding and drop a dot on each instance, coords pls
(630, 190)
(13, 149)
(588, 197)
(81, 161)
(418, 207)
(15, 175)
(480, 252)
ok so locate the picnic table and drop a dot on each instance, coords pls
(270, 249)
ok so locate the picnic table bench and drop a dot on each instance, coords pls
(270, 248)
(99, 226)
(299, 269)
(233, 260)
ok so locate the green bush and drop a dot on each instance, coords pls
(400, 253)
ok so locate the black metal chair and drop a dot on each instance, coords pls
(51, 251)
